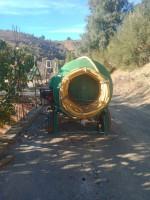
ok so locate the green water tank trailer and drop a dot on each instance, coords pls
(82, 88)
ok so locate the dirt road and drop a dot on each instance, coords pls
(82, 167)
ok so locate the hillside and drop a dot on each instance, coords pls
(133, 87)
(71, 45)
(40, 47)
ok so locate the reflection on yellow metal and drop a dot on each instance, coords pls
(85, 111)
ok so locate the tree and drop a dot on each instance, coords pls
(103, 22)
(68, 38)
(130, 47)
(70, 57)
(60, 64)
(14, 66)
(42, 37)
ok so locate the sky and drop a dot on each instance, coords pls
(55, 19)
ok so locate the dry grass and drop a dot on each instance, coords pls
(134, 86)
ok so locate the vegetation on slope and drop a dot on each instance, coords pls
(103, 22)
(40, 47)
(130, 48)
(120, 36)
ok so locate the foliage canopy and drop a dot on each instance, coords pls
(103, 22)
(130, 47)
(14, 66)
(117, 35)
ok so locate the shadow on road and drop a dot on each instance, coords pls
(85, 166)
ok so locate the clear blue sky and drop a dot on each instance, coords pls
(55, 19)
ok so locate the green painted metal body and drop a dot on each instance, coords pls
(75, 87)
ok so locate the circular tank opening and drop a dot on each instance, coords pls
(83, 90)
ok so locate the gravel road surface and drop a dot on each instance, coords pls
(82, 166)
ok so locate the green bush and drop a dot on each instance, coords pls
(70, 56)
(14, 66)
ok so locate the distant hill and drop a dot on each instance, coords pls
(71, 45)
(40, 47)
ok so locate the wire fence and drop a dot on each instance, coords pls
(22, 108)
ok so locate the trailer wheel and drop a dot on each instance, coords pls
(104, 122)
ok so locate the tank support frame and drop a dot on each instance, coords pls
(103, 122)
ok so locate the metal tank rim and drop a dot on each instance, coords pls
(93, 109)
